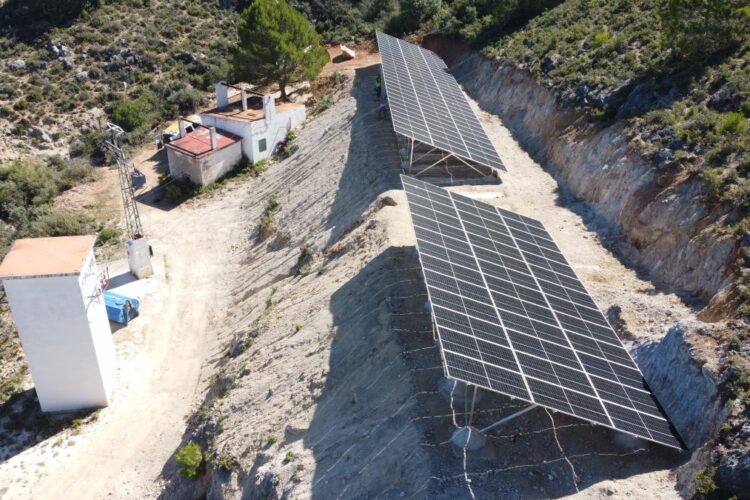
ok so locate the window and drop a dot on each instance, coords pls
(262, 145)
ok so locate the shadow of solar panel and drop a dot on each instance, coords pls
(513, 317)
(428, 105)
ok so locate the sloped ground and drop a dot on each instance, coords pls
(328, 386)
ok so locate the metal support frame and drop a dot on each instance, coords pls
(412, 143)
(507, 419)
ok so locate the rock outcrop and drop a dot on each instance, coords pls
(656, 214)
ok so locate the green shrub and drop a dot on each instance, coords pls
(273, 439)
(305, 260)
(714, 183)
(704, 481)
(258, 167)
(225, 462)
(25, 184)
(733, 124)
(62, 223)
(131, 114)
(601, 39)
(189, 459)
(324, 104)
(180, 190)
(108, 235)
(734, 343)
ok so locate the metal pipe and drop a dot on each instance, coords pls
(507, 419)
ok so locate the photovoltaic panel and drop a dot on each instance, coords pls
(513, 317)
(427, 104)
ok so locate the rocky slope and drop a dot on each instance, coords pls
(657, 220)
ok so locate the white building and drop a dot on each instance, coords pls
(259, 121)
(55, 298)
(203, 155)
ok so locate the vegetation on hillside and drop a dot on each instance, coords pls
(28, 189)
(684, 92)
(147, 60)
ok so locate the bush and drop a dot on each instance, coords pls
(62, 223)
(305, 260)
(189, 459)
(108, 235)
(131, 115)
(179, 190)
(733, 124)
(704, 481)
(714, 183)
(25, 184)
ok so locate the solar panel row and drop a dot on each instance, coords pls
(513, 317)
(427, 104)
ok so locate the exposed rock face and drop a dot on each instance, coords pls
(667, 229)
(673, 374)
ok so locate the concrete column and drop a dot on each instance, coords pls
(181, 124)
(243, 98)
(222, 94)
(214, 138)
(269, 108)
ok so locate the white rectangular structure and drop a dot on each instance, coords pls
(261, 122)
(55, 298)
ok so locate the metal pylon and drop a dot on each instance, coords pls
(125, 171)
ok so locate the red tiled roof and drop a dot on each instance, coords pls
(198, 142)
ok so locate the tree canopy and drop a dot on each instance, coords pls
(704, 26)
(277, 45)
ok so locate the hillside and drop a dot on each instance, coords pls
(59, 77)
(688, 114)
(306, 365)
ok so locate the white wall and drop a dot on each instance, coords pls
(253, 132)
(66, 338)
(204, 171)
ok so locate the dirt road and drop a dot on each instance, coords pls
(161, 360)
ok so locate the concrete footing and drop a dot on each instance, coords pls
(457, 391)
(468, 438)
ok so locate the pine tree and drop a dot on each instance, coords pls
(704, 27)
(277, 45)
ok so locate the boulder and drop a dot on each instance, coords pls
(17, 65)
(185, 57)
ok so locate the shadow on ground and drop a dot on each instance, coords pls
(381, 429)
(23, 425)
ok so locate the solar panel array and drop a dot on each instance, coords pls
(427, 104)
(513, 317)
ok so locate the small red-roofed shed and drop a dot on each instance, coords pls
(204, 155)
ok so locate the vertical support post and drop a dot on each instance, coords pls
(473, 403)
(214, 139)
(181, 124)
(411, 154)
(243, 98)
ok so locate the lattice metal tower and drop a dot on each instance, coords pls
(138, 250)
(125, 170)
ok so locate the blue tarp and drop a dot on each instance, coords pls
(121, 309)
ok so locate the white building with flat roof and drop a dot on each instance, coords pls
(261, 122)
(55, 297)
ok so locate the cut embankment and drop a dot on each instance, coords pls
(658, 215)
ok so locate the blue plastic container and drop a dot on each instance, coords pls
(121, 309)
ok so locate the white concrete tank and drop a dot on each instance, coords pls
(55, 297)
(139, 258)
